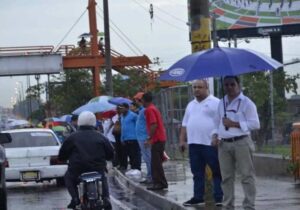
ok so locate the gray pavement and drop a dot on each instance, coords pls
(275, 194)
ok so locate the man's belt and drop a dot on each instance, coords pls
(233, 139)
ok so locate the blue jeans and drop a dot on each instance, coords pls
(146, 155)
(200, 156)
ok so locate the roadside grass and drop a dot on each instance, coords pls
(284, 150)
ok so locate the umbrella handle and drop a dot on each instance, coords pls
(225, 116)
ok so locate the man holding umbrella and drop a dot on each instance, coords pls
(237, 117)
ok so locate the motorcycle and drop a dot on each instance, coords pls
(90, 191)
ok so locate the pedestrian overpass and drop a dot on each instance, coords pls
(36, 60)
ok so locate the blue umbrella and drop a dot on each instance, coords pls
(53, 119)
(120, 100)
(66, 118)
(100, 99)
(96, 105)
(219, 61)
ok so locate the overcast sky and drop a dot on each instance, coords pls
(46, 22)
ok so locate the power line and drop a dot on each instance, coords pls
(167, 13)
(161, 19)
(140, 52)
(125, 42)
(69, 31)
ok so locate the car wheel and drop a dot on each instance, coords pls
(60, 182)
(3, 199)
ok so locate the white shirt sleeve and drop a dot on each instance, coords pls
(251, 120)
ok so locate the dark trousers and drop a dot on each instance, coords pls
(71, 182)
(157, 170)
(133, 151)
(200, 156)
(120, 154)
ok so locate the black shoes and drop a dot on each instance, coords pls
(107, 204)
(73, 204)
(157, 187)
(194, 202)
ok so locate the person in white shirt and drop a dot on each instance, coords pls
(197, 128)
(237, 117)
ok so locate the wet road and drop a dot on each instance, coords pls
(47, 196)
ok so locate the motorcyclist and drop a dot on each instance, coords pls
(87, 150)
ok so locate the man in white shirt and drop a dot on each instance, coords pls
(197, 127)
(237, 116)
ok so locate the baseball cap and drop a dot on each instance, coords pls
(139, 95)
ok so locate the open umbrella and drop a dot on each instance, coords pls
(96, 105)
(53, 119)
(66, 118)
(219, 61)
(120, 100)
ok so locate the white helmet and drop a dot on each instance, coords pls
(86, 118)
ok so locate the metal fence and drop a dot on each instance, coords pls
(172, 103)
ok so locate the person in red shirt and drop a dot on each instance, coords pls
(156, 138)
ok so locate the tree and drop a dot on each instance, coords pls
(70, 89)
(130, 82)
(256, 86)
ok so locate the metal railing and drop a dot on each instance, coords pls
(172, 103)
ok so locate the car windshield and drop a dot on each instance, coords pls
(32, 139)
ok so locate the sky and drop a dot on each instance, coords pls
(41, 22)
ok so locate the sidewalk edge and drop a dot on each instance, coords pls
(153, 198)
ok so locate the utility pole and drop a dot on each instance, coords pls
(199, 21)
(108, 65)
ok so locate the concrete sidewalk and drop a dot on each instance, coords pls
(271, 193)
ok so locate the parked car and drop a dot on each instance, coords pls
(32, 156)
(4, 138)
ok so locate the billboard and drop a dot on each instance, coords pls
(241, 14)
(30, 64)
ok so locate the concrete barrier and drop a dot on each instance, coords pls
(159, 201)
(271, 165)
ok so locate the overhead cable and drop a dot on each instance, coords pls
(69, 31)
(161, 19)
(123, 35)
(167, 13)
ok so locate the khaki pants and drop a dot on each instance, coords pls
(237, 156)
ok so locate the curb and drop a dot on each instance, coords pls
(154, 199)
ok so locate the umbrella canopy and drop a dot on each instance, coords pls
(120, 100)
(53, 119)
(100, 99)
(66, 118)
(17, 122)
(219, 61)
(96, 105)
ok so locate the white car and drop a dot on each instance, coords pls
(32, 156)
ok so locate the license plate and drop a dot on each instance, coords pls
(30, 176)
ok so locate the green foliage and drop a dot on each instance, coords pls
(284, 150)
(134, 82)
(293, 167)
(70, 89)
(256, 86)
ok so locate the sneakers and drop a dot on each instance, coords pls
(219, 204)
(194, 202)
(146, 181)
